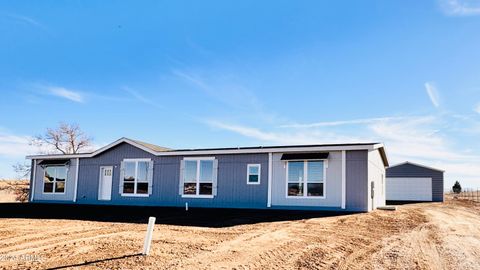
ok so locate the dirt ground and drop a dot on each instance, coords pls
(416, 236)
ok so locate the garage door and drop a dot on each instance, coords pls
(409, 189)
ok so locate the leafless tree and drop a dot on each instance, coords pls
(22, 170)
(65, 139)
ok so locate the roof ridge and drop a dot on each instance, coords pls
(418, 165)
(154, 147)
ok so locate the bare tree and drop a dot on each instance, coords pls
(66, 139)
(22, 170)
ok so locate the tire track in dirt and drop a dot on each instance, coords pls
(449, 240)
(419, 236)
(237, 252)
(32, 246)
(352, 240)
(32, 237)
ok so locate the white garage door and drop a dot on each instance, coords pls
(409, 189)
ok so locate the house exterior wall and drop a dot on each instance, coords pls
(412, 170)
(376, 173)
(233, 191)
(333, 185)
(69, 185)
(357, 186)
(232, 188)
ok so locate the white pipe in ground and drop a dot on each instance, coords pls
(148, 238)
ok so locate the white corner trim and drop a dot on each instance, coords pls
(76, 180)
(32, 190)
(269, 188)
(344, 179)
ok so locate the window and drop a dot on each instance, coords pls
(198, 177)
(54, 179)
(305, 178)
(135, 177)
(253, 174)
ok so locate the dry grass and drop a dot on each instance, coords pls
(14, 190)
(418, 236)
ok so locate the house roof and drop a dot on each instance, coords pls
(278, 146)
(153, 147)
(163, 151)
(416, 164)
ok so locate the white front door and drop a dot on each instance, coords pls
(105, 183)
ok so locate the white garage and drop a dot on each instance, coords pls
(409, 189)
(414, 182)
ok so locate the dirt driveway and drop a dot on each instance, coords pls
(419, 236)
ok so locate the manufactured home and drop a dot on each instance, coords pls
(338, 177)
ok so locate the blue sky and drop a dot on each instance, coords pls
(222, 73)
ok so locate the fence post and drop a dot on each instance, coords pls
(148, 237)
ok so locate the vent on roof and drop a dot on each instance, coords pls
(304, 156)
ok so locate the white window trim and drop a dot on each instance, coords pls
(54, 182)
(259, 174)
(305, 180)
(198, 158)
(197, 179)
(134, 194)
(198, 196)
(137, 159)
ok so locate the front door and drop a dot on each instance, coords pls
(105, 183)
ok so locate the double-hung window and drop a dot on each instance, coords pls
(198, 177)
(306, 178)
(54, 179)
(253, 174)
(136, 177)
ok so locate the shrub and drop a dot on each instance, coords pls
(457, 188)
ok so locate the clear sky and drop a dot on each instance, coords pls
(187, 74)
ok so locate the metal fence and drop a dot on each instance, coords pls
(468, 194)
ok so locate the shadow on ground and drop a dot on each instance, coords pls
(406, 202)
(203, 217)
(93, 262)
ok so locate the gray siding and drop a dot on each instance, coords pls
(412, 170)
(357, 181)
(333, 185)
(69, 185)
(233, 190)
